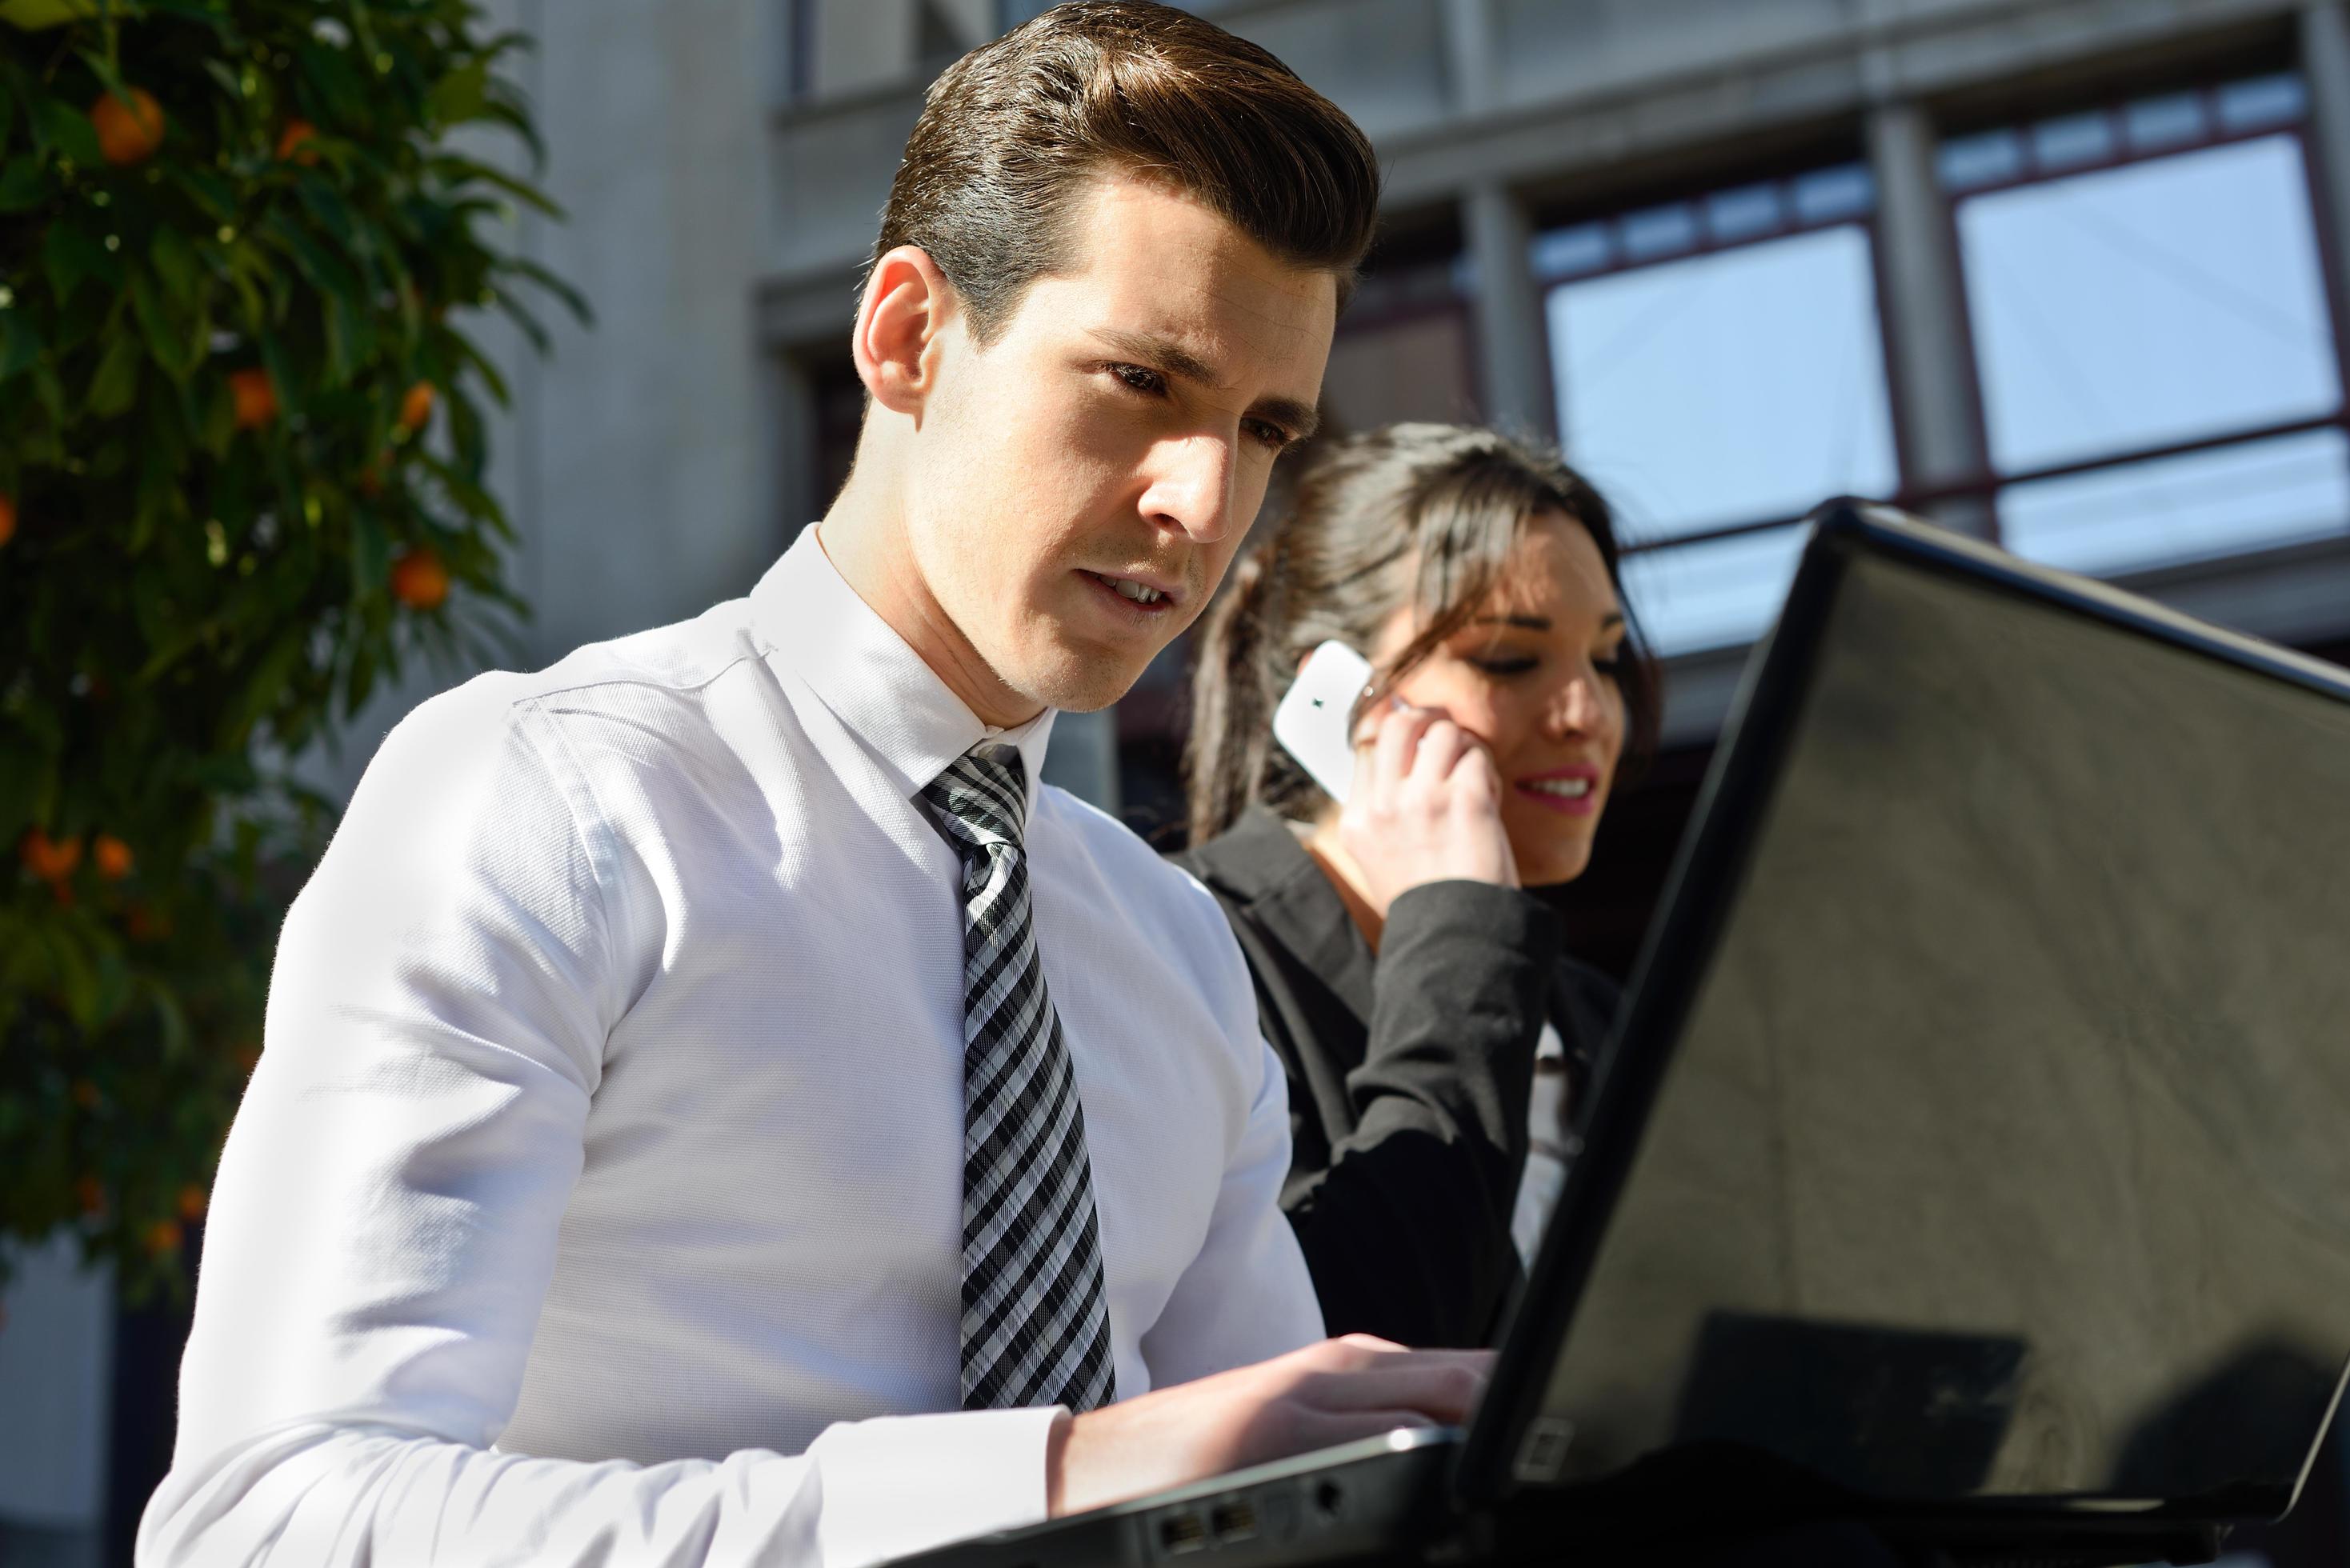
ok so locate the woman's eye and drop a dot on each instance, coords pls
(1610, 663)
(1140, 377)
(1518, 665)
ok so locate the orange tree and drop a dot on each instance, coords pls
(241, 479)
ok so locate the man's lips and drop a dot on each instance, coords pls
(1147, 592)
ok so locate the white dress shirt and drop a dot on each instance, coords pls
(1547, 1151)
(598, 1197)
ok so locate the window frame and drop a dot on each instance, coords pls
(2034, 170)
(1793, 225)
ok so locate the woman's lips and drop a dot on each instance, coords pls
(1570, 792)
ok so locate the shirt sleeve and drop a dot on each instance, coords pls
(1246, 1296)
(1407, 1229)
(384, 1224)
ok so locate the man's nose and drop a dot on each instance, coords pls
(1191, 487)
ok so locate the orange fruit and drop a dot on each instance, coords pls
(90, 1193)
(162, 1237)
(128, 132)
(417, 407)
(247, 1057)
(193, 1202)
(85, 1093)
(290, 141)
(8, 518)
(48, 858)
(256, 398)
(418, 580)
(112, 856)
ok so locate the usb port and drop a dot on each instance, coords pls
(1233, 1522)
(1181, 1533)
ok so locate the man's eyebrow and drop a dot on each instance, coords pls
(1156, 353)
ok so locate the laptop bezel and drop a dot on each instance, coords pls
(1701, 891)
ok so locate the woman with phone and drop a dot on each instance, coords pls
(1420, 997)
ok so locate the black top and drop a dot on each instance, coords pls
(1408, 1075)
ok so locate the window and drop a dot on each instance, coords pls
(1720, 372)
(2159, 377)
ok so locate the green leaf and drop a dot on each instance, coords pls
(263, 687)
(177, 264)
(312, 258)
(70, 254)
(292, 395)
(28, 782)
(208, 190)
(173, 348)
(67, 132)
(20, 343)
(108, 76)
(523, 319)
(76, 979)
(460, 96)
(333, 214)
(370, 554)
(224, 75)
(491, 376)
(523, 266)
(462, 171)
(331, 76)
(22, 185)
(117, 381)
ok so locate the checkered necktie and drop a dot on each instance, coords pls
(1035, 1321)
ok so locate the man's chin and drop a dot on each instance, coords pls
(1076, 681)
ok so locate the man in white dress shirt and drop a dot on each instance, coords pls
(599, 1197)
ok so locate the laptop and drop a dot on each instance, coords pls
(1969, 1161)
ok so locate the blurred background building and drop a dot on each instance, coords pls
(2070, 275)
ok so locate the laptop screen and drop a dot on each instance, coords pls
(2004, 1150)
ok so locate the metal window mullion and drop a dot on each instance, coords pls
(1514, 370)
(1928, 349)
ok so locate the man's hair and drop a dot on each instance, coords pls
(1013, 132)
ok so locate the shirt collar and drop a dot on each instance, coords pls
(873, 683)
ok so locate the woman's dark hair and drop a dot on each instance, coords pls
(1421, 516)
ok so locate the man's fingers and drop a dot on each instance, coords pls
(1366, 1349)
(1444, 1391)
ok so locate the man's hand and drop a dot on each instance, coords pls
(1334, 1392)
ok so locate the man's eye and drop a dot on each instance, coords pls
(1141, 378)
(1272, 436)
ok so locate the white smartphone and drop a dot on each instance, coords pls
(1315, 722)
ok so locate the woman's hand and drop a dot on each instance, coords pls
(1425, 806)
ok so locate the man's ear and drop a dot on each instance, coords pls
(906, 305)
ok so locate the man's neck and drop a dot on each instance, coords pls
(866, 542)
